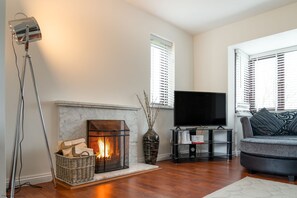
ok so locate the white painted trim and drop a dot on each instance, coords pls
(47, 177)
(161, 157)
(283, 50)
(2, 99)
(165, 156)
(33, 179)
(231, 96)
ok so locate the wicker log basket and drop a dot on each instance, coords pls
(75, 170)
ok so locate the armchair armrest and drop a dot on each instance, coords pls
(246, 127)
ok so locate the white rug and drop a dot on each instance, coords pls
(249, 187)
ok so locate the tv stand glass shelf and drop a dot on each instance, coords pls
(201, 144)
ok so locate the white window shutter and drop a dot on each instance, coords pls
(162, 71)
(241, 81)
(290, 62)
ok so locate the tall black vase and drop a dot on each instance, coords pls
(150, 146)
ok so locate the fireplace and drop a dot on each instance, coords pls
(110, 141)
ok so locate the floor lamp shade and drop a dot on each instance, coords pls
(25, 30)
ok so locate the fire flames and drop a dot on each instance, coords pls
(104, 150)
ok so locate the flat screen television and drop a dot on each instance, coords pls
(199, 109)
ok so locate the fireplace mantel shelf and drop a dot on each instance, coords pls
(94, 105)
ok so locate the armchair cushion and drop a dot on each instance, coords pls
(292, 127)
(287, 117)
(265, 123)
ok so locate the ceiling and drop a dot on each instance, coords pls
(269, 43)
(195, 16)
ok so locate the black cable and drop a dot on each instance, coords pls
(28, 184)
(19, 187)
(18, 69)
(20, 144)
(22, 115)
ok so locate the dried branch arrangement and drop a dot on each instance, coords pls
(151, 111)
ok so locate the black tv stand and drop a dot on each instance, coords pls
(192, 151)
(177, 128)
(220, 127)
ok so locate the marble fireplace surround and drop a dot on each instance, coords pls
(73, 118)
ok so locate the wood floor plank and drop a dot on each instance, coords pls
(191, 179)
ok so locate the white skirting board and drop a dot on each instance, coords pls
(161, 157)
(47, 177)
(33, 179)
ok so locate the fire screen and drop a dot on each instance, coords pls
(110, 141)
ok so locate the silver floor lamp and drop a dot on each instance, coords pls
(24, 31)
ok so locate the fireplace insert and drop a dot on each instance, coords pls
(110, 141)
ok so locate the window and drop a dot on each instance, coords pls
(241, 77)
(266, 80)
(162, 71)
(291, 80)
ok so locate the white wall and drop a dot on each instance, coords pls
(91, 51)
(211, 49)
(2, 101)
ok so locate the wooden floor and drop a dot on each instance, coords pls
(193, 179)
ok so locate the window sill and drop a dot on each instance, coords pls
(162, 107)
